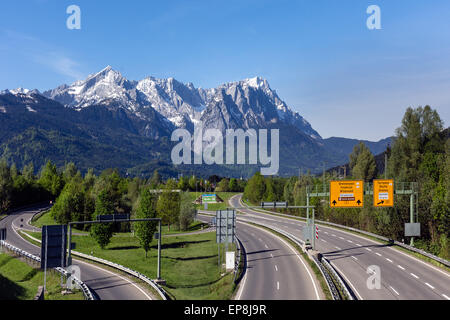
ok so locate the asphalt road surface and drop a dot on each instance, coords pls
(105, 284)
(403, 277)
(275, 271)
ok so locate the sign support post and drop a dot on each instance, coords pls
(45, 262)
(313, 240)
(411, 218)
(159, 251)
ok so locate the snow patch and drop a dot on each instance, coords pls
(31, 109)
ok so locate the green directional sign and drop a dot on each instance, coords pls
(209, 198)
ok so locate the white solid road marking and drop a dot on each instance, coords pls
(400, 267)
(445, 297)
(414, 275)
(429, 285)
(299, 258)
(394, 290)
(355, 258)
(389, 260)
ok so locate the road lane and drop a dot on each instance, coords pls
(353, 254)
(275, 271)
(106, 284)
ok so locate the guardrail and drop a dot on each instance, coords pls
(84, 288)
(240, 248)
(376, 236)
(342, 285)
(322, 269)
(163, 294)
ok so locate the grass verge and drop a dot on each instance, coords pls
(189, 263)
(20, 281)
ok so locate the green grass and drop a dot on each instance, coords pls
(189, 263)
(2, 216)
(214, 206)
(47, 220)
(20, 281)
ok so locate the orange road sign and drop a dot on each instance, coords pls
(383, 193)
(347, 194)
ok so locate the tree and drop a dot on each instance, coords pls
(146, 210)
(6, 186)
(223, 185)
(233, 186)
(183, 184)
(269, 194)
(193, 183)
(28, 172)
(69, 206)
(168, 205)
(187, 211)
(51, 180)
(255, 189)
(69, 172)
(362, 163)
(103, 232)
(155, 180)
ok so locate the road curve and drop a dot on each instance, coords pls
(106, 285)
(275, 271)
(403, 277)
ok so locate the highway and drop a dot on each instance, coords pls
(402, 276)
(106, 285)
(275, 271)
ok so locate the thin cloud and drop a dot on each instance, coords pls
(40, 52)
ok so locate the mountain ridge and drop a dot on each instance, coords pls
(152, 108)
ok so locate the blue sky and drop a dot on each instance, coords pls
(319, 56)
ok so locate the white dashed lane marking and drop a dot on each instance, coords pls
(394, 290)
(429, 285)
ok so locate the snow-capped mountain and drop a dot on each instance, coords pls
(250, 103)
(108, 121)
